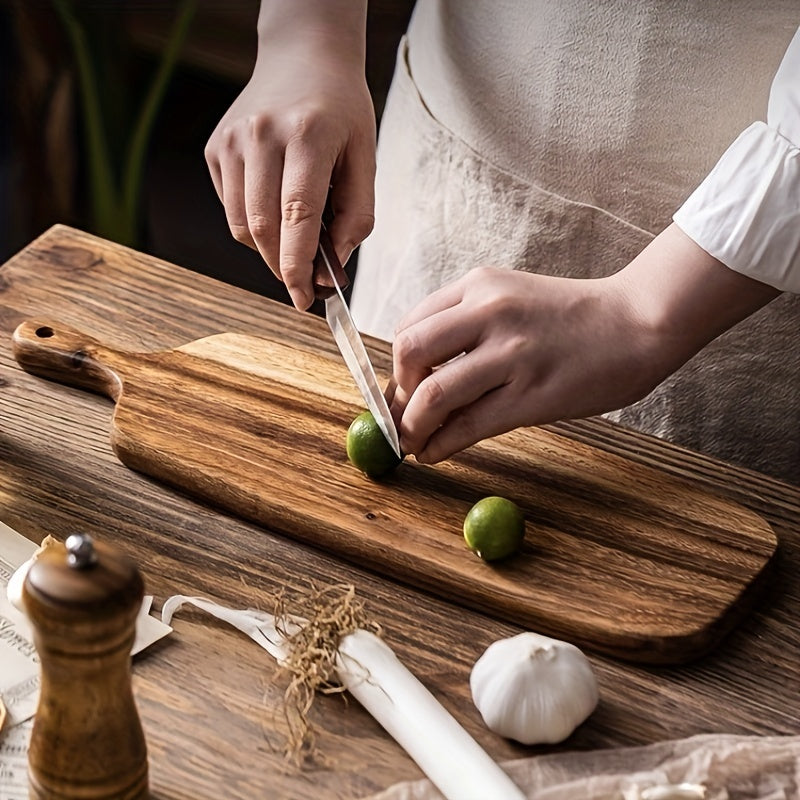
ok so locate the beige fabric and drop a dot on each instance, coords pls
(560, 138)
(729, 767)
(624, 105)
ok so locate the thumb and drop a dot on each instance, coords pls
(352, 201)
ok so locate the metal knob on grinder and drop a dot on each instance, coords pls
(80, 550)
(82, 598)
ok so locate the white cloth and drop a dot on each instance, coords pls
(719, 766)
(746, 213)
(560, 138)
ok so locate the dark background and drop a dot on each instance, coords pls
(43, 176)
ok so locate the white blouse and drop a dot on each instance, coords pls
(746, 213)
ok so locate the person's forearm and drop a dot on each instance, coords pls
(300, 135)
(685, 297)
(336, 25)
(498, 348)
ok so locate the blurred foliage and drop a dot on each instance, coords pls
(117, 123)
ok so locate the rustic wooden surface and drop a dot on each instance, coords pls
(619, 557)
(206, 695)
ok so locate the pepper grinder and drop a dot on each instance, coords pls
(82, 599)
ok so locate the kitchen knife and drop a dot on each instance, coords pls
(329, 276)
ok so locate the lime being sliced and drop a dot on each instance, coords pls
(367, 447)
(494, 528)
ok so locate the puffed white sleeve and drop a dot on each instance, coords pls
(746, 212)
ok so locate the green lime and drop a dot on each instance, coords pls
(494, 528)
(367, 447)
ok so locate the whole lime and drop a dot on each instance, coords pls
(367, 447)
(494, 528)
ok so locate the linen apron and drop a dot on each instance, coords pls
(560, 137)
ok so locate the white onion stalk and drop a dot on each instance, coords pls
(368, 668)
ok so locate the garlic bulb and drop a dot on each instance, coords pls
(533, 689)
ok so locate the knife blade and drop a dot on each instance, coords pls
(348, 339)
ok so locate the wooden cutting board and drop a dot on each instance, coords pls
(619, 557)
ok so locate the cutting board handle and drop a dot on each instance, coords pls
(52, 350)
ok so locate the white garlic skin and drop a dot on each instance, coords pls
(14, 586)
(533, 689)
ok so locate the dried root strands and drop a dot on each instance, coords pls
(327, 647)
(330, 614)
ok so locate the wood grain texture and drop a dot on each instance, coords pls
(87, 740)
(619, 557)
(207, 696)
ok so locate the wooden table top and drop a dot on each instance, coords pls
(206, 694)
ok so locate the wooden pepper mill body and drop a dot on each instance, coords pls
(87, 741)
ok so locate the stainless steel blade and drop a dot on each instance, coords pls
(348, 339)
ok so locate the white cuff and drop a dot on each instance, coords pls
(746, 213)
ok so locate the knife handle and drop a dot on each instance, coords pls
(323, 284)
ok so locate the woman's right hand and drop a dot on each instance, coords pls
(304, 124)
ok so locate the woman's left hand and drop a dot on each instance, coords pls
(499, 349)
